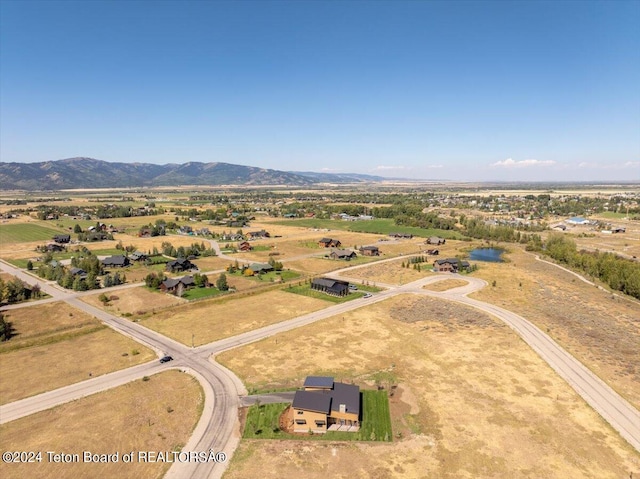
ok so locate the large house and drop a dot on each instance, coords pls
(334, 287)
(451, 265)
(329, 243)
(180, 264)
(369, 251)
(258, 234)
(138, 256)
(244, 246)
(344, 254)
(325, 405)
(62, 238)
(436, 240)
(116, 261)
(258, 268)
(177, 285)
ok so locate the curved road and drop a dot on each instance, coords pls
(217, 428)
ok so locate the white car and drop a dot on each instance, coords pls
(368, 295)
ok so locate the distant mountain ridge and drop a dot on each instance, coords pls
(91, 173)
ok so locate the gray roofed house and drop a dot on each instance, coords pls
(342, 254)
(451, 265)
(138, 256)
(180, 264)
(312, 401)
(318, 382)
(174, 285)
(116, 260)
(259, 268)
(347, 395)
(330, 286)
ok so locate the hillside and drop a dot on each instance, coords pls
(91, 173)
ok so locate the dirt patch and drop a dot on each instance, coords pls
(447, 313)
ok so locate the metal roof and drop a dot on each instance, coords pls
(312, 401)
(318, 382)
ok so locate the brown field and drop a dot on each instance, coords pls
(211, 263)
(55, 349)
(390, 272)
(220, 318)
(138, 300)
(446, 284)
(602, 331)
(472, 400)
(315, 266)
(154, 415)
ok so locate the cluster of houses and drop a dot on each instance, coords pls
(345, 254)
(326, 405)
(451, 265)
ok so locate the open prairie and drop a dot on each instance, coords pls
(154, 415)
(390, 272)
(598, 328)
(209, 320)
(472, 400)
(56, 345)
(139, 300)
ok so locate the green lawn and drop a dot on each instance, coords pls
(612, 215)
(262, 422)
(198, 293)
(272, 276)
(378, 226)
(26, 232)
(305, 290)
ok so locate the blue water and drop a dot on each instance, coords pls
(491, 255)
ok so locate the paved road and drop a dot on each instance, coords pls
(218, 427)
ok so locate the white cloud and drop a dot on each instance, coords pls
(434, 166)
(632, 164)
(511, 163)
(609, 166)
(382, 167)
(329, 170)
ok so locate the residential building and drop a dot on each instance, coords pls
(330, 286)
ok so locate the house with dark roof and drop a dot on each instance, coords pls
(401, 235)
(343, 254)
(62, 238)
(138, 256)
(450, 265)
(325, 405)
(329, 243)
(177, 285)
(258, 234)
(78, 272)
(334, 287)
(369, 251)
(118, 261)
(180, 264)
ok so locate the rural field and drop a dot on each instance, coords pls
(158, 414)
(599, 329)
(56, 345)
(138, 300)
(469, 399)
(215, 319)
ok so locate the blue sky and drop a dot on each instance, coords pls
(449, 90)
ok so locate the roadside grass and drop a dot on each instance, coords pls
(377, 226)
(154, 415)
(27, 232)
(305, 290)
(69, 359)
(263, 422)
(472, 399)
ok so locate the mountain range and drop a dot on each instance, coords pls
(75, 173)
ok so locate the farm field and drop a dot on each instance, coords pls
(26, 232)
(390, 272)
(472, 400)
(600, 330)
(207, 321)
(380, 226)
(56, 345)
(154, 415)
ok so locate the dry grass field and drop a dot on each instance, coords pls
(446, 284)
(154, 415)
(56, 345)
(215, 319)
(472, 400)
(390, 272)
(602, 331)
(138, 300)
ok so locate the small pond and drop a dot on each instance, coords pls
(493, 255)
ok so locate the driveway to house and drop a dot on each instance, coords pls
(217, 429)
